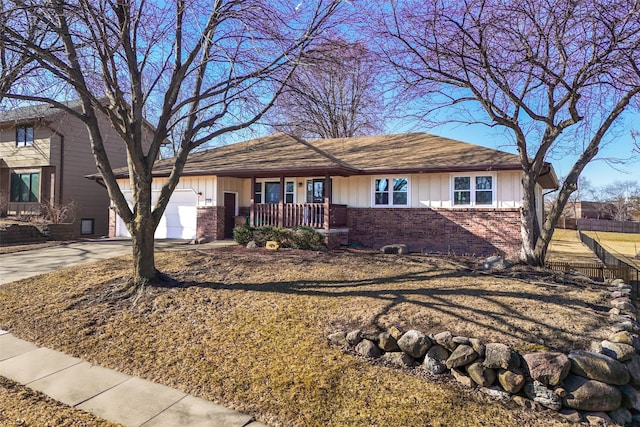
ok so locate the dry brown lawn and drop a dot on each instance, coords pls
(566, 246)
(248, 329)
(23, 407)
(625, 246)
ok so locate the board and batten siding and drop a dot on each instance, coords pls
(426, 190)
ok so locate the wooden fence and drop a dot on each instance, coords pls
(620, 269)
(609, 226)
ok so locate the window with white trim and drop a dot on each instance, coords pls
(24, 136)
(473, 190)
(269, 192)
(391, 191)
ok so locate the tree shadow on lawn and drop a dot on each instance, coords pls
(438, 305)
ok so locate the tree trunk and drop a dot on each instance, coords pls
(142, 241)
(529, 223)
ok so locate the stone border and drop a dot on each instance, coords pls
(595, 386)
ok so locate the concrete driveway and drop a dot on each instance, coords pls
(21, 265)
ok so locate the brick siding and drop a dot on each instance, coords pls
(481, 232)
(112, 222)
(210, 222)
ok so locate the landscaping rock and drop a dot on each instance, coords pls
(598, 367)
(461, 340)
(496, 392)
(497, 355)
(368, 348)
(462, 355)
(539, 393)
(629, 326)
(527, 403)
(252, 245)
(354, 337)
(387, 343)
(633, 366)
(398, 359)
(414, 343)
(571, 415)
(338, 338)
(549, 368)
(621, 416)
(597, 419)
(630, 397)
(590, 395)
(435, 358)
(480, 374)
(626, 337)
(477, 346)
(462, 378)
(621, 318)
(396, 332)
(618, 351)
(494, 263)
(621, 293)
(445, 339)
(397, 249)
(511, 380)
(623, 304)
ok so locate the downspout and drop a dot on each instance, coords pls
(59, 194)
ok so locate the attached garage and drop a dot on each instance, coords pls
(179, 219)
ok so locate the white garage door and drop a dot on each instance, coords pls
(179, 219)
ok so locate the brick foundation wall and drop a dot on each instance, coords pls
(210, 222)
(481, 232)
(112, 222)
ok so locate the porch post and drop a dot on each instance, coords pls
(281, 203)
(327, 201)
(252, 212)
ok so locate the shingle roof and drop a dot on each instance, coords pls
(31, 112)
(282, 154)
(415, 152)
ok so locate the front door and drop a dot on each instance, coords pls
(315, 191)
(229, 214)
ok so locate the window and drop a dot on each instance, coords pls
(473, 190)
(391, 191)
(257, 191)
(86, 226)
(272, 192)
(24, 136)
(289, 189)
(25, 187)
(269, 192)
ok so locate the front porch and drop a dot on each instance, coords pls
(288, 215)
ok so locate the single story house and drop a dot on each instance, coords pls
(431, 193)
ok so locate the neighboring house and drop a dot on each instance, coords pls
(432, 193)
(45, 154)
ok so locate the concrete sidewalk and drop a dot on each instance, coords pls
(106, 393)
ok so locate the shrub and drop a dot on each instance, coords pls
(263, 234)
(243, 234)
(306, 238)
(297, 238)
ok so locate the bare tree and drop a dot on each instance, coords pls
(334, 93)
(14, 65)
(205, 68)
(622, 199)
(556, 74)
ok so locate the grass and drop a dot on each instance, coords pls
(248, 329)
(566, 246)
(625, 246)
(22, 407)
